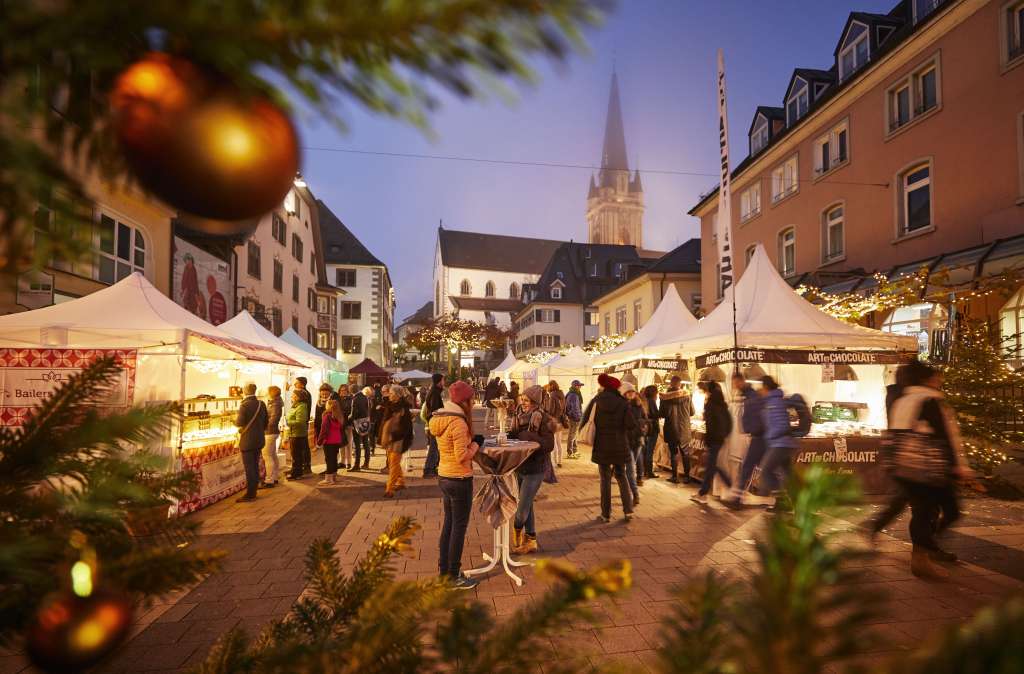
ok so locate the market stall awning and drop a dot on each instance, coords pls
(248, 329)
(291, 337)
(370, 369)
(504, 366)
(668, 321)
(411, 374)
(131, 313)
(770, 314)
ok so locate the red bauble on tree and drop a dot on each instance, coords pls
(72, 633)
(193, 139)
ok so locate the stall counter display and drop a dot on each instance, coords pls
(209, 448)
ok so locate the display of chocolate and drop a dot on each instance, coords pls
(832, 410)
(843, 429)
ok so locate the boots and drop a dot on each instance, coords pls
(529, 545)
(328, 481)
(922, 566)
(517, 539)
(675, 476)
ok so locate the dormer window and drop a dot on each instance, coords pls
(556, 289)
(759, 136)
(923, 8)
(854, 53)
(798, 102)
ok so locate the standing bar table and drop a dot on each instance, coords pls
(498, 497)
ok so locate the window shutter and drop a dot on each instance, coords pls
(558, 315)
(537, 315)
(558, 341)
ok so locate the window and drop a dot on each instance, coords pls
(297, 247)
(310, 299)
(924, 321)
(276, 318)
(295, 323)
(1011, 326)
(351, 344)
(549, 315)
(345, 278)
(591, 318)
(832, 242)
(278, 228)
(915, 199)
(913, 96)
(787, 252)
(323, 340)
(798, 102)
(489, 318)
(1012, 18)
(638, 307)
(749, 253)
(784, 180)
(323, 305)
(253, 259)
(352, 310)
(607, 323)
(750, 202)
(620, 321)
(489, 289)
(121, 249)
(278, 276)
(513, 291)
(547, 341)
(312, 263)
(831, 150)
(465, 288)
(759, 136)
(923, 8)
(295, 288)
(855, 53)
(556, 292)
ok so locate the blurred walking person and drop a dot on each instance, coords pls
(752, 424)
(396, 436)
(778, 439)
(717, 427)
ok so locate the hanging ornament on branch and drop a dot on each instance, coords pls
(192, 138)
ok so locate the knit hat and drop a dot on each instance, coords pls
(460, 392)
(608, 381)
(535, 394)
(626, 388)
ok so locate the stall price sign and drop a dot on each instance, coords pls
(664, 364)
(802, 357)
(27, 376)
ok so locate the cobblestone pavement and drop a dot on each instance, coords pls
(670, 539)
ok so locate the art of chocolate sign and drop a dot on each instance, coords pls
(800, 357)
(666, 364)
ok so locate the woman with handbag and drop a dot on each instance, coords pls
(925, 459)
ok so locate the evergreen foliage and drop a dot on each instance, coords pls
(71, 478)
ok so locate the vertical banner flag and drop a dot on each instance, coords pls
(724, 188)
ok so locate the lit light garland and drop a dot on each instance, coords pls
(605, 343)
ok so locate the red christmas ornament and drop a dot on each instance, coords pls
(193, 139)
(71, 633)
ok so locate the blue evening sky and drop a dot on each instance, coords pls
(664, 51)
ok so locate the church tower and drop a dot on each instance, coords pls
(615, 203)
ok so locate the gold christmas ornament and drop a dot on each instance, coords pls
(71, 633)
(196, 141)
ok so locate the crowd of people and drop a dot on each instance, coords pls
(622, 425)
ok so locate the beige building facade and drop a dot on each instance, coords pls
(910, 146)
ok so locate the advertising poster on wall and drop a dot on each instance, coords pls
(201, 282)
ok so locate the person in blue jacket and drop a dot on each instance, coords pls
(778, 435)
(751, 424)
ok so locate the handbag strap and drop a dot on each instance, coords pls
(255, 414)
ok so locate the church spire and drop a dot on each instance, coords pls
(613, 155)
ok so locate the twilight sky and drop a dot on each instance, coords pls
(664, 51)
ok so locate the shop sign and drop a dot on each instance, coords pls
(828, 373)
(27, 376)
(802, 357)
(664, 364)
(35, 290)
(201, 282)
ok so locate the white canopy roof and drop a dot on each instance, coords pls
(575, 361)
(246, 328)
(668, 321)
(132, 313)
(291, 337)
(411, 374)
(770, 314)
(504, 366)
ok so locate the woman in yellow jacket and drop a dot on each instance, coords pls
(452, 425)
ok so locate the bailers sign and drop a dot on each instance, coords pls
(27, 376)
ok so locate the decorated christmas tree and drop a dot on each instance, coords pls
(979, 385)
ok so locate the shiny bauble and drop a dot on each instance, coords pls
(201, 145)
(71, 633)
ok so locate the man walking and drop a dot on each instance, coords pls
(752, 424)
(252, 419)
(573, 412)
(491, 392)
(778, 439)
(435, 401)
(275, 406)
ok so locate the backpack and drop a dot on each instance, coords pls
(797, 403)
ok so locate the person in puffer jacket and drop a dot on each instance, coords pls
(535, 425)
(778, 435)
(452, 426)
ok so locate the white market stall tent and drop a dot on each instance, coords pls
(668, 321)
(573, 364)
(335, 371)
(166, 353)
(503, 368)
(411, 375)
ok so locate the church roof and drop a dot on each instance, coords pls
(494, 252)
(613, 154)
(340, 245)
(680, 260)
